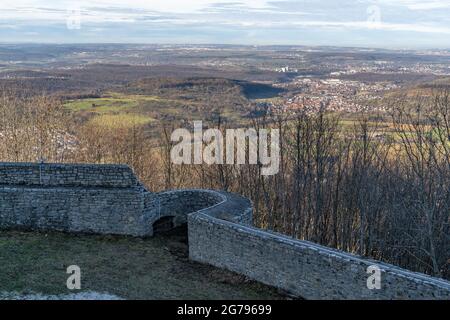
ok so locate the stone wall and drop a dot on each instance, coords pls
(104, 199)
(179, 204)
(67, 175)
(92, 210)
(301, 268)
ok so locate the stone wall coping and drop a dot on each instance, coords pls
(11, 187)
(217, 193)
(67, 175)
(231, 204)
(63, 165)
(180, 191)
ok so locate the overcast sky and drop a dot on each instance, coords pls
(363, 23)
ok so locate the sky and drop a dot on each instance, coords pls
(409, 24)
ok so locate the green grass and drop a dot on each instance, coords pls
(113, 102)
(156, 268)
(101, 105)
(120, 120)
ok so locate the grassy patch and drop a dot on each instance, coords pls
(113, 102)
(156, 268)
(101, 105)
(120, 120)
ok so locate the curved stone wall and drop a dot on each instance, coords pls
(179, 204)
(109, 199)
(218, 237)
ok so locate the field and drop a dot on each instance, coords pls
(155, 106)
(156, 268)
(114, 103)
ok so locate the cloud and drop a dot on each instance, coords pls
(417, 4)
(376, 26)
(172, 6)
(345, 18)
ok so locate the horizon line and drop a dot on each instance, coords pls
(225, 44)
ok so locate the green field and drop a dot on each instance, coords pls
(120, 120)
(113, 102)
